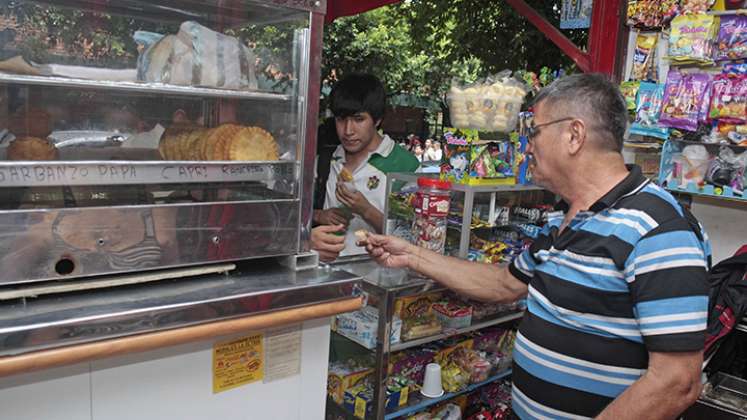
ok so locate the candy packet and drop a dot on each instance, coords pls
(729, 99)
(648, 108)
(691, 39)
(732, 38)
(652, 14)
(643, 57)
(682, 99)
(695, 6)
(629, 91)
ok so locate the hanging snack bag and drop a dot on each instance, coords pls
(652, 14)
(629, 91)
(732, 38)
(729, 99)
(648, 108)
(643, 57)
(682, 97)
(691, 40)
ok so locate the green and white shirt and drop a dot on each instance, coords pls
(369, 179)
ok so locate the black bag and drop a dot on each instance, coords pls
(727, 305)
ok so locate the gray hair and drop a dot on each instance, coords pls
(598, 98)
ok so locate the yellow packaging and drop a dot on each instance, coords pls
(339, 382)
(442, 356)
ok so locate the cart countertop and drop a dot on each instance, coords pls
(60, 320)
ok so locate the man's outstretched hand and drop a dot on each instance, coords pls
(389, 251)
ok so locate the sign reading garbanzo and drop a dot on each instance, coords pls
(237, 362)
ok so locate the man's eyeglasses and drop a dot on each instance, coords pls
(533, 130)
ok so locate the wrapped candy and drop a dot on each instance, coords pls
(729, 99)
(691, 39)
(695, 6)
(652, 14)
(682, 100)
(732, 38)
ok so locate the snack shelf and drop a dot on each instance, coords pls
(149, 88)
(420, 403)
(381, 288)
(450, 333)
(707, 192)
(57, 173)
(413, 177)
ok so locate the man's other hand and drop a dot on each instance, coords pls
(326, 243)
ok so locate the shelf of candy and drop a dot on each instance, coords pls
(489, 105)
(431, 314)
(699, 107)
(500, 240)
(491, 402)
(468, 160)
(465, 361)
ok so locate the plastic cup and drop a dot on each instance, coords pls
(432, 383)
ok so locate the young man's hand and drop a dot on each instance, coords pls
(326, 243)
(389, 251)
(354, 200)
(331, 217)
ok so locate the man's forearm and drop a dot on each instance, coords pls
(652, 397)
(485, 282)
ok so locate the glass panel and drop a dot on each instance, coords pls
(134, 93)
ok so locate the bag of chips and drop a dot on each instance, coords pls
(643, 57)
(648, 108)
(629, 91)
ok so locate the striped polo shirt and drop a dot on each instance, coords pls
(625, 278)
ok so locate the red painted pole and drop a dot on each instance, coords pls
(581, 59)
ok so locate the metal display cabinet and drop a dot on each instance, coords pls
(467, 201)
(382, 287)
(135, 134)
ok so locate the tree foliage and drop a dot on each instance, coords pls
(419, 46)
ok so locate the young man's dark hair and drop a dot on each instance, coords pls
(358, 93)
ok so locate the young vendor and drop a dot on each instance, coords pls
(356, 187)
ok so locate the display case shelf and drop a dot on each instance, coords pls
(421, 403)
(450, 333)
(147, 88)
(57, 173)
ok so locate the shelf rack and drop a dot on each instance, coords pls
(382, 287)
(420, 404)
(141, 87)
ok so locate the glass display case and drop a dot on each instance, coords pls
(139, 135)
(485, 223)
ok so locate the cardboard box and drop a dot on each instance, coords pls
(362, 327)
(341, 378)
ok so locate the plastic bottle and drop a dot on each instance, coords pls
(431, 204)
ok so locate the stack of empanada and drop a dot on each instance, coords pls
(225, 142)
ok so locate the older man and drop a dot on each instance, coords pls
(615, 284)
